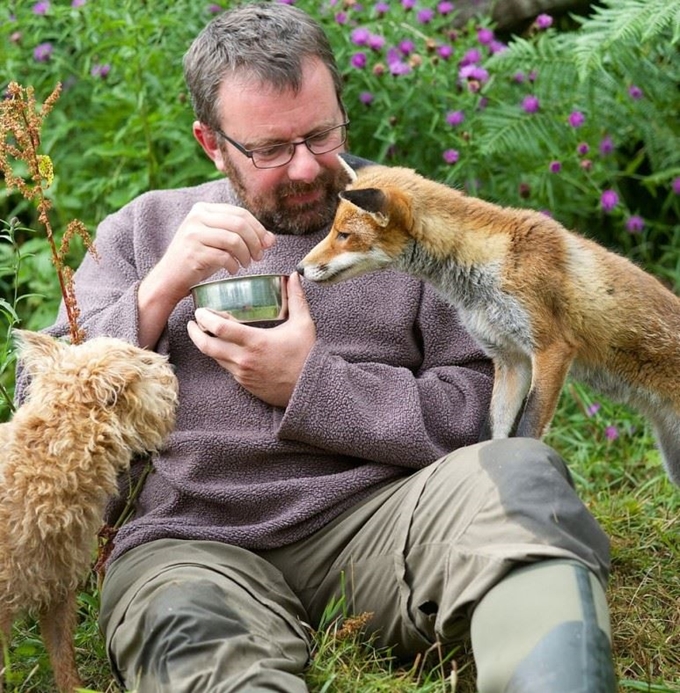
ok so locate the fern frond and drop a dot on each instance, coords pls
(613, 28)
(509, 132)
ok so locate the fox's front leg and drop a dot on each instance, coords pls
(550, 367)
(512, 379)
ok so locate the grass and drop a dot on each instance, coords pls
(622, 481)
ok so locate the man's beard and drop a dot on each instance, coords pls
(277, 215)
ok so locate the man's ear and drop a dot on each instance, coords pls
(208, 141)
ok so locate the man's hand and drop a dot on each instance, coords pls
(211, 237)
(266, 362)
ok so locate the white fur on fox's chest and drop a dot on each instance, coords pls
(495, 318)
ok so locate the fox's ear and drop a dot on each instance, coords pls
(371, 200)
(348, 168)
(37, 351)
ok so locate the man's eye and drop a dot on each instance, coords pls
(271, 152)
(321, 138)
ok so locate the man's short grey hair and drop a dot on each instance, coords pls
(267, 41)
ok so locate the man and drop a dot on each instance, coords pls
(311, 461)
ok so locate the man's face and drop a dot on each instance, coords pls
(301, 196)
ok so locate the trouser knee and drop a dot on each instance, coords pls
(535, 490)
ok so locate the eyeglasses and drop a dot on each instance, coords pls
(275, 155)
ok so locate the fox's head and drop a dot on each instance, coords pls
(370, 230)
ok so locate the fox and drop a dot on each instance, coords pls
(542, 302)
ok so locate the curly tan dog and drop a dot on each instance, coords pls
(89, 409)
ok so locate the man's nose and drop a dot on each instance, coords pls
(304, 165)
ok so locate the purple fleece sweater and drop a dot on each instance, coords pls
(392, 383)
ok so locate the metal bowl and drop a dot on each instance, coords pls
(260, 300)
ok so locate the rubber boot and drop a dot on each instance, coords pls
(544, 629)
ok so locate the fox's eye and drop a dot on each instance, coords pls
(342, 236)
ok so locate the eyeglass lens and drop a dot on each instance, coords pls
(281, 154)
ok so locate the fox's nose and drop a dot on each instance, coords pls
(300, 269)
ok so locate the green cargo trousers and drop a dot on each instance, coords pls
(201, 616)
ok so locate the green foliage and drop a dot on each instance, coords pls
(412, 103)
(122, 126)
(123, 121)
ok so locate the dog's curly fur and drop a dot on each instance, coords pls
(89, 409)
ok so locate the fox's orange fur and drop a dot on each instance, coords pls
(89, 409)
(540, 300)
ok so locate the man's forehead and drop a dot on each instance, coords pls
(250, 107)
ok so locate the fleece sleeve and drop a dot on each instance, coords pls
(391, 414)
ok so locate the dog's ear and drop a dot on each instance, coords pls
(37, 351)
(371, 200)
(106, 381)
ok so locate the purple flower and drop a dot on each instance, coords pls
(341, 18)
(78, 3)
(398, 67)
(445, 7)
(576, 119)
(215, 9)
(407, 47)
(375, 42)
(530, 104)
(635, 92)
(41, 7)
(543, 21)
(555, 167)
(609, 200)
(286, 2)
(473, 72)
(360, 36)
(583, 148)
(444, 51)
(366, 98)
(635, 224)
(43, 52)
(425, 16)
(497, 47)
(381, 8)
(485, 36)
(593, 408)
(675, 185)
(450, 156)
(533, 75)
(611, 433)
(393, 56)
(455, 117)
(100, 70)
(408, 4)
(519, 77)
(471, 57)
(606, 146)
(358, 60)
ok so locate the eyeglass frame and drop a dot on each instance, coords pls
(251, 152)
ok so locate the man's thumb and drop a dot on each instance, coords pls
(297, 303)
